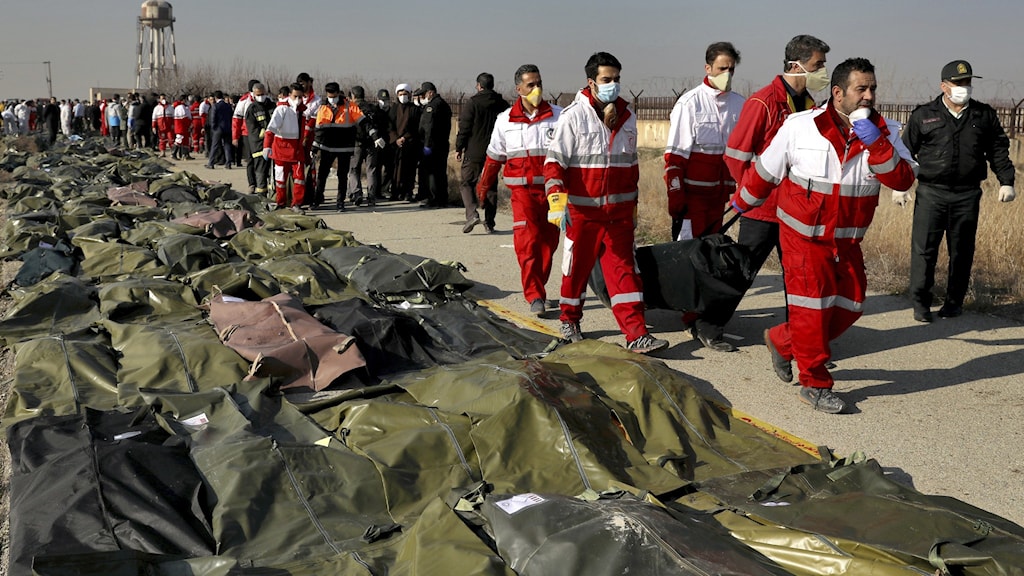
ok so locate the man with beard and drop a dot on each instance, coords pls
(828, 166)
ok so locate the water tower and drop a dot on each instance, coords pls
(155, 21)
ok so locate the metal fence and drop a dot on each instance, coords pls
(654, 108)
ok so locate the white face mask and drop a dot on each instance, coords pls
(260, 97)
(960, 95)
(293, 102)
(417, 102)
(723, 81)
(817, 80)
(404, 99)
(334, 100)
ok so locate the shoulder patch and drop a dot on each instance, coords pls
(931, 120)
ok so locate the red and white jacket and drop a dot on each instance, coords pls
(198, 120)
(701, 122)
(520, 143)
(828, 181)
(182, 118)
(595, 166)
(286, 134)
(163, 117)
(762, 116)
(238, 128)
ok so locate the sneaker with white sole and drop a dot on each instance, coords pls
(822, 399)
(571, 332)
(646, 344)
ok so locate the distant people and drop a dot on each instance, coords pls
(519, 142)
(257, 118)
(952, 138)
(593, 194)
(144, 122)
(113, 119)
(196, 130)
(285, 144)
(10, 120)
(435, 133)
(132, 111)
(96, 117)
(182, 128)
(78, 122)
(221, 114)
(476, 123)
(826, 167)
(66, 118)
(405, 121)
(21, 112)
(51, 119)
(204, 119)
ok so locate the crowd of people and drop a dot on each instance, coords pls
(805, 177)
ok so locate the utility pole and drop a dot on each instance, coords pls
(49, 79)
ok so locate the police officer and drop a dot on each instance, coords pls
(952, 138)
(435, 133)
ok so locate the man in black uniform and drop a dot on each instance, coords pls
(435, 132)
(951, 137)
(370, 140)
(387, 155)
(476, 122)
(51, 117)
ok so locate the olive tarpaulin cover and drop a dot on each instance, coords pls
(142, 444)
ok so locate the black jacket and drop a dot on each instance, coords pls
(376, 125)
(476, 122)
(257, 118)
(405, 121)
(952, 153)
(436, 124)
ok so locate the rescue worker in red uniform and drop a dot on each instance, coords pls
(762, 116)
(182, 129)
(519, 142)
(698, 183)
(163, 123)
(591, 175)
(198, 123)
(285, 143)
(239, 134)
(829, 165)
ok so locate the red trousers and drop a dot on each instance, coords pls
(197, 135)
(535, 240)
(164, 135)
(704, 208)
(825, 289)
(611, 242)
(297, 170)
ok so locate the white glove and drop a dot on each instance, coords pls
(900, 198)
(1006, 194)
(266, 153)
(379, 143)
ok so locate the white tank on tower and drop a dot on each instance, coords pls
(156, 40)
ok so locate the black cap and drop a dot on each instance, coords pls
(332, 87)
(303, 77)
(383, 94)
(428, 86)
(958, 70)
(417, 92)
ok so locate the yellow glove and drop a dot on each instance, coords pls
(557, 208)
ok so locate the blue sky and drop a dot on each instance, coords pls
(660, 42)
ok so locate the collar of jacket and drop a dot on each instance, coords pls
(620, 107)
(518, 113)
(784, 93)
(830, 125)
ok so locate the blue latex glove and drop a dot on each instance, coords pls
(426, 151)
(866, 130)
(736, 207)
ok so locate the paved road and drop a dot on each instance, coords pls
(939, 405)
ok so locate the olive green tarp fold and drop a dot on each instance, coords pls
(185, 356)
(114, 260)
(60, 375)
(308, 279)
(855, 501)
(148, 234)
(239, 279)
(57, 304)
(395, 277)
(184, 254)
(140, 300)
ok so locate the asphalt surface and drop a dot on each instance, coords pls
(940, 406)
